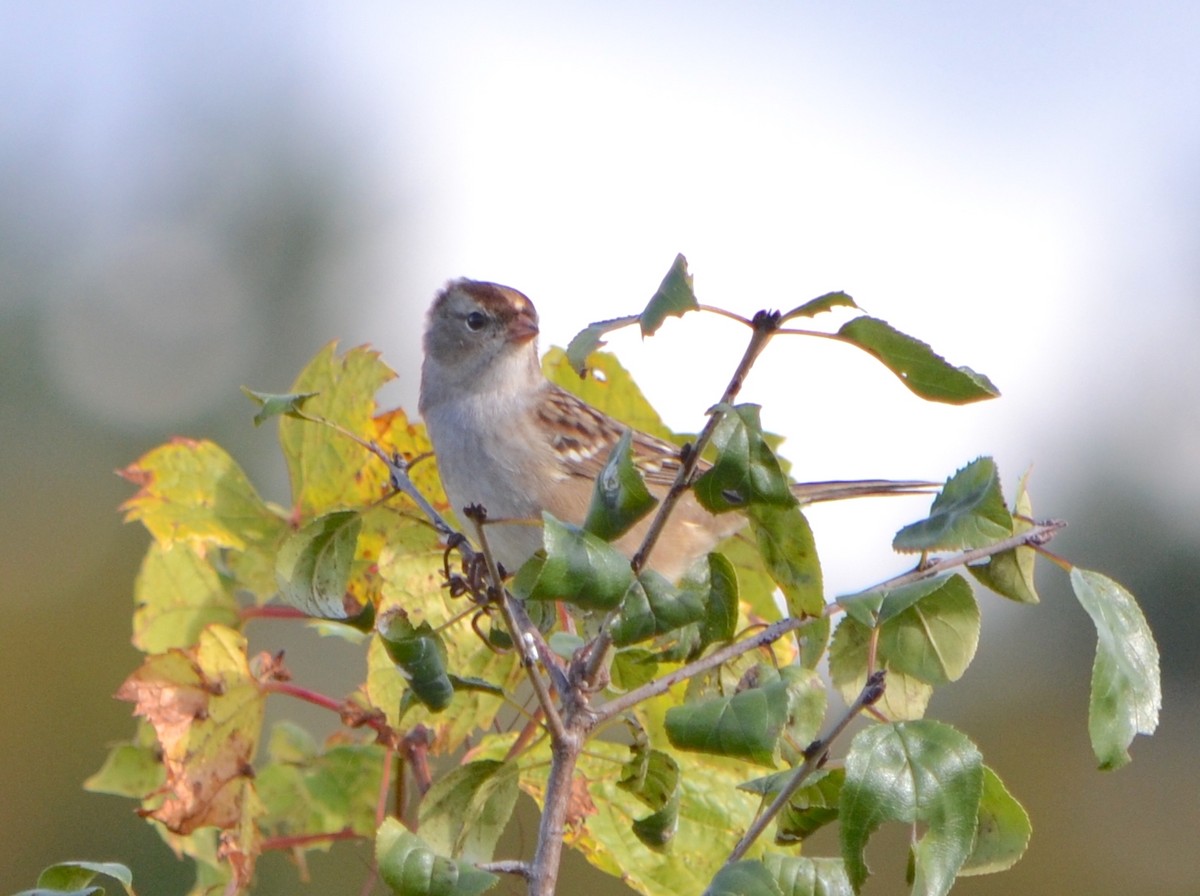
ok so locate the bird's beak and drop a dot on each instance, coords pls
(523, 327)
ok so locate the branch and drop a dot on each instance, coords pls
(814, 757)
(301, 840)
(764, 325)
(506, 866)
(564, 754)
(1035, 537)
(658, 686)
(522, 635)
(402, 482)
(351, 716)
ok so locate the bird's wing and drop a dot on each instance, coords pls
(584, 438)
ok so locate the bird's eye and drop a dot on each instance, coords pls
(476, 320)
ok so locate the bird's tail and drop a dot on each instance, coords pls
(812, 492)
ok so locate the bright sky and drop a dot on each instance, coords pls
(995, 179)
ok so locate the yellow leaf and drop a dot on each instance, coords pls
(193, 491)
(177, 594)
(328, 470)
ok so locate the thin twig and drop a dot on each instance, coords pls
(525, 646)
(295, 841)
(506, 866)
(1036, 536)
(814, 757)
(658, 686)
(764, 324)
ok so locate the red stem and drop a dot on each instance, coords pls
(271, 843)
(272, 611)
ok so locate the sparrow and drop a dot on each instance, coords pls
(511, 441)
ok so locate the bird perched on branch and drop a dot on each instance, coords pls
(509, 440)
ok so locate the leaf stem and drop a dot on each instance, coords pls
(300, 840)
(352, 716)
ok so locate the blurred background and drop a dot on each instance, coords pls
(196, 196)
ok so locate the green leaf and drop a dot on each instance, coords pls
(802, 876)
(75, 876)
(878, 605)
(716, 583)
(653, 777)
(632, 668)
(674, 298)
(928, 633)
(935, 639)
(745, 878)
(922, 370)
(820, 304)
(1003, 830)
(419, 652)
(578, 568)
(789, 551)
(1010, 574)
(810, 808)
(746, 471)
(410, 868)
(620, 497)
(814, 640)
(130, 769)
(591, 338)
(313, 565)
(276, 404)
(177, 594)
(968, 512)
(466, 810)
(1126, 685)
(653, 606)
(745, 725)
(308, 790)
(756, 588)
(904, 696)
(912, 772)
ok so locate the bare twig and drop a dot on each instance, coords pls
(507, 866)
(814, 757)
